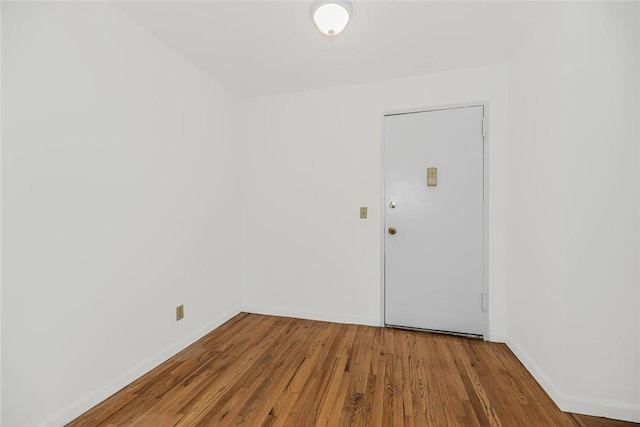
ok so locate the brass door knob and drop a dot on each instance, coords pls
(392, 230)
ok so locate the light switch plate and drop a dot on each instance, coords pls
(432, 177)
(363, 212)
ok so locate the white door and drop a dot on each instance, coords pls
(434, 263)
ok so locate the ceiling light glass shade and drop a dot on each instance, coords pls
(331, 16)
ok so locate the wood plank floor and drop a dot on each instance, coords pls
(586, 421)
(276, 371)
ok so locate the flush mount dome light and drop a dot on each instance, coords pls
(331, 16)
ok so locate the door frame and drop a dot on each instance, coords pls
(485, 199)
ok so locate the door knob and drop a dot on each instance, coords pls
(392, 230)
(392, 205)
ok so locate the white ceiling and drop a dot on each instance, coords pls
(265, 47)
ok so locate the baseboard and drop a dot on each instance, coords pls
(602, 408)
(577, 404)
(311, 315)
(497, 338)
(540, 376)
(81, 406)
(331, 317)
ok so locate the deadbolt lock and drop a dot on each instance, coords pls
(392, 230)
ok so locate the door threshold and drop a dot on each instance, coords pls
(437, 331)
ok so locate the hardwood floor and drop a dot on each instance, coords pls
(586, 421)
(276, 371)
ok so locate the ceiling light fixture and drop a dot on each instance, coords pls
(331, 16)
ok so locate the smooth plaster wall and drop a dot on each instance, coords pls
(573, 208)
(0, 224)
(120, 201)
(537, 202)
(312, 159)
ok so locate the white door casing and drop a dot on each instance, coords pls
(434, 266)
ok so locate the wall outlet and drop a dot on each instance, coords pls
(179, 312)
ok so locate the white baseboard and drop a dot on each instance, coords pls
(540, 376)
(571, 403)
(332, 317)
(81, 406)
(497, 338)
(322, 316)
(602, 408)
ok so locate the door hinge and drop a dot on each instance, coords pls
(484, 127)
(483, 303)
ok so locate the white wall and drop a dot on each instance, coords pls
(602, 292)
(0, 223)
(537, 202)
(573, 208)
(120, 201)
(313, 158)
